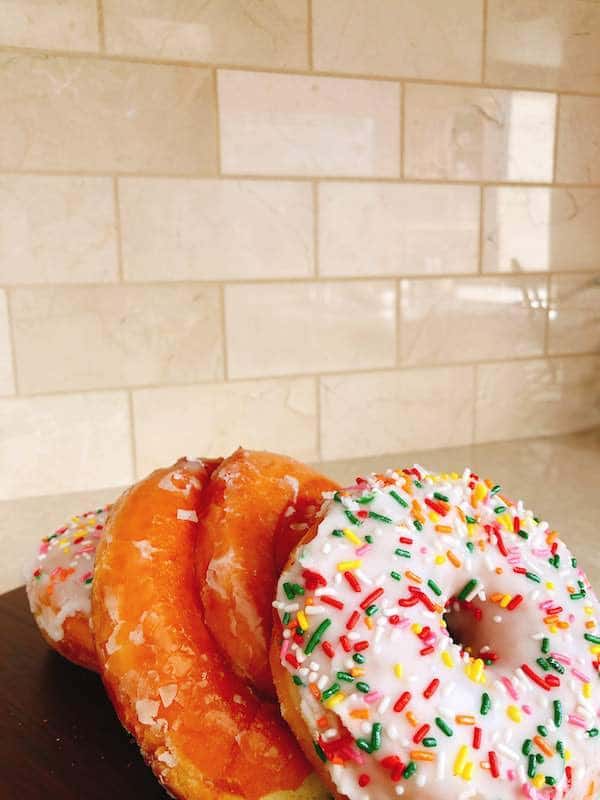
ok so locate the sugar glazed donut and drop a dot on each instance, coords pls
(200, 727)
(59, 586)
(258, 507)
(438, 640)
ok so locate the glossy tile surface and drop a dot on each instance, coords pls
(379, 412)
(64, 443)
(551, 44)
(279, 329)
(115, 116)
(57, 229)
(478, 134)
(213, 420)
(397, 229)
(537, 229)
(215, 230)
(574, 313)
(272, 33)
(116, 336)
(7, 382)
(427, 39)
(458, 319)
(55, 24)
(578, 158)
(555, 395)
(298, 125)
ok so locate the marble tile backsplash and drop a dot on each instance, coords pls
(336, 228)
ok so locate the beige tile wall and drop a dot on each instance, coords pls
(335, 228)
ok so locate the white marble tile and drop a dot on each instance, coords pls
(578, 157)
(52, 24)
(7, 379)
(574, 313)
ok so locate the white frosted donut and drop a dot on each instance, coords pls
(438, 641)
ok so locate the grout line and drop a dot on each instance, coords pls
(101, 27)
(118, 229)
(481, 253)
(547, 320)
(398, 322)
(132, 433)
(555, 147)
(475, 403)
(292, 376)
(132, 59)
(309, 34)
(316, 228)
(12, 341)
(215, 86)
(223, 332)
(402, 129)
(484, 33)
(319, 416)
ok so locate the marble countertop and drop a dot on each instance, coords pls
(557, 477)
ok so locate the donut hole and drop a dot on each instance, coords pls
(468, 625)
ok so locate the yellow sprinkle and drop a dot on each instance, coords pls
(357, 672)
(461, 760)
(352, 537)
(440, 559)
(595, 649)
(549, 585)
(588, 610)
(587, 690)
(302, 621)
(514, 712)
(553, 628)
(433, 516)
(398, 670)
(471, 528)
(567, 755)
(345, 565)
(476, 670)
(454, 476)
(416, 628)
(467, 772)
(506, 521)
(479, 492)
(447, 659)
(333, 701)
(538, 781)
(505, 600)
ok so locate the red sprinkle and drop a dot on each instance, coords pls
(426, 651)
(363, 780)
(493, 759)
(390, 761)
(552, 681)
(402, 701)
(361, 646)
(353, 581)
(345, 642)
(362, 514)
(569, 774)
(431, 689)
(520, 570)
(421, 733)
(352, 620)
(291, 659)
(397, 772)
(476, 738)
(501, 545)
(516, 601)
(328, 649)
(556, 610)
(406, 540)
(406, 602)
(331, 601)
(394, 619)
(516, 524)
(440, 509)
(535, 678)
(313, 580)
(370, 598)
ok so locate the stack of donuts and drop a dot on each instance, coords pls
(265, 633)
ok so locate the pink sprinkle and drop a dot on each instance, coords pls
(284, 649)
(362, 550)
(510, 688)
(542, 552)
(576, 721)
(511, 774)
(86, 577)
(527, 790)
(546, 604)
(88, 547)
(373, 697)
(423, 550)
(526, 709)
(404, 623)
(43, 549)
(583, 678)
(562, 658)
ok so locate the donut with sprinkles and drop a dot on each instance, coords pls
(59, 585)
(436, 639)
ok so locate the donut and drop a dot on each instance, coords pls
(435, 639)
(199, 726)
(59, 585)
(258, 507)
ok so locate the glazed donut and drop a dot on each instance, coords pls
(258, 507)
(59, 586)
(200, 727)
(434, 640)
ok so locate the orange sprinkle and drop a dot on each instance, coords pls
(310, 601)
(408, 487)
(314, 691)
(590, 624)
(539, 742)
(499, 571)
(481, 544)
(465, 719)
(552, 537)
(412, 577)
(551, 620)
(337, 760)
(322, 723)
(488, 483)
(369, 623)
(453, 559)
(496, 597)
(411, 719)
(360, 713)
(421, 755)
(461, 514)
(562, 624)
(443, 528)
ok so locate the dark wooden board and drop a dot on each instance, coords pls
(59, 736)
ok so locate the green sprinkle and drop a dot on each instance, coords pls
(363, 687)
(550, 781)
(411, 767)
(523, 534)
(337, 532)
(543, 664)
(560, 748)
(533, 577)
(286, 618)
(577, 596)
(299, 631)
(486, 704)
(337, 497)
(495, 489)
(499, 509)
(537, 519)
(531, 766)
(545, 645)
(539, 758)
(297, 588)
(418, 525)
(434, 587)
(542, 730)
(398, 499)
(372, 609)
(354, 520)
(316, 637)
(527, 745)
(400, 552)
(573, 562)
(440, 496)
(470, 547)
(367, 498)
(320, 752)
(380, 517)
(556, 665)
(376, 736)
(467, 589)
(396, 576)
(333, 689)
(297, 680)
(418, 484)
(471, 520)
(369, 538)
(593, 732)
(429, 741)
(289, 591)
(87, 580)
(558, 714)
(443, 726)
(364, 745)
(358, 658)
(589, 637)
(345, 676)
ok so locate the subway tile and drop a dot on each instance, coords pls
(64, 443)
(106, 116)
(57, 230)
(7, 381)
(457, 133)
(303, 125)
(471, 319)
(427, 39)
(272, 33)
(397, 229)
(547, 44)
(578, 158)
(388, 412)
(278, 329)
(78, 338)
(49, 24)
(553, 396)
(538, 229)
(215, 229)
(574, 314)
(214, 419)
